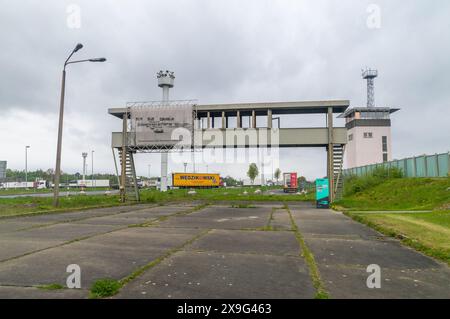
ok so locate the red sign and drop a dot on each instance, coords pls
(293, 180)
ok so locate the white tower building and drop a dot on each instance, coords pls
(166, 82)
(369, 130)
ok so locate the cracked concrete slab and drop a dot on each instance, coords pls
(9, 226)
(247, 221)
(223, 276)
(96, 262)
(230, 212)
(395, 284)
(12, 248)
(113, 255)
(249, 242)
(12, 292)
(114, 220)
(64, 232)
(386, 254)
(281, 220)
(333, 227)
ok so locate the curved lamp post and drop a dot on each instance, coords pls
(78, 47)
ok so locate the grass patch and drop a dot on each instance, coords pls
(400, 194)
(321, 292)
(104, 288)
(51, 287)
(39, 205)
(425, 232)
(32, 191)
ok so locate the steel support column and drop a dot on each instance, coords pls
(164, 163)
(224, 124)
(238, 119)
(330, 168)
(124, 154)
(253, 119)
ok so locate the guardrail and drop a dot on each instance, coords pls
(437, 165)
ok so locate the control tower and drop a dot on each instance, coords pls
(166, 82)
(368, 129)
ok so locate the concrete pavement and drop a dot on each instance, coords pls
(209, 252)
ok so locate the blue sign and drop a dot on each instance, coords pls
(323, 193)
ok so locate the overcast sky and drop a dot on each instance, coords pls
(221, 52)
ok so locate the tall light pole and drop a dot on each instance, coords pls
(92, 168)
(83, 185)
(26, 166)
(185, 166)
(61, 116)
(149, 170)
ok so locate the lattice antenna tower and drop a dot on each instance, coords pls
(370, 76)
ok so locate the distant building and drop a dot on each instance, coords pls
(369, 136)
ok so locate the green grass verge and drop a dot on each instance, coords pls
(32, 191)
(37, 205)
(401, 194)
(425, 232)
(321, 292)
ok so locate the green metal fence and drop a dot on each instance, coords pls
(437, 165)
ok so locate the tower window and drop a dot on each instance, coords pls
(350, 137)
(385, 157)
(368, 135)
(384, 141)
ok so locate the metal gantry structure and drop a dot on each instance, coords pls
(332, 138)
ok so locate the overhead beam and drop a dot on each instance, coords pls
(299, 107)
(288, 137)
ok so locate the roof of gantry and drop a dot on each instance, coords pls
(349, 112)
(299, 107)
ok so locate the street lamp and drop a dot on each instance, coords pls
(78, 47)
(83, 182)
(185, 166)
(26, 166)
(92, 168)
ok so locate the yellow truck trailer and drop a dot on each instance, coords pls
(195, 180)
